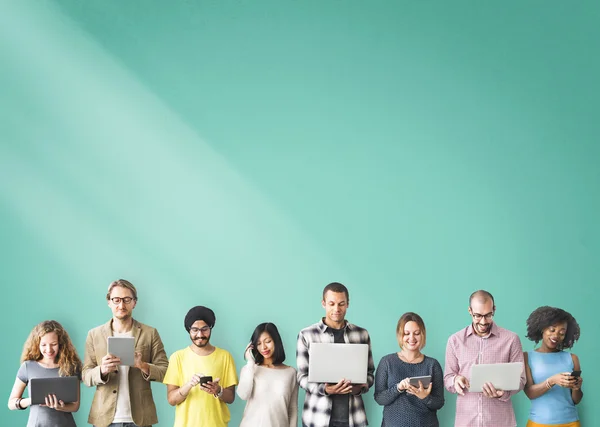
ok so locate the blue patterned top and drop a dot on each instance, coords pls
(400, 408)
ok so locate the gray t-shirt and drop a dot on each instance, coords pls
(42, 416)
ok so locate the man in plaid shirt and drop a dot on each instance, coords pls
(333, 405)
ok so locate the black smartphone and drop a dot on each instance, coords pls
(204, 380)
(576, 374)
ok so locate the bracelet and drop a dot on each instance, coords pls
(219, 394)
(180, 393)
(548, 386)
(18, 404)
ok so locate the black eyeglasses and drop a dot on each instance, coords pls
(117, 300)
(477, 317)
(203, 329)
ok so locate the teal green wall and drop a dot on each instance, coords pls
(243, 154)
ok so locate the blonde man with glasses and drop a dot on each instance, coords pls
(123, 395)
(481, 342)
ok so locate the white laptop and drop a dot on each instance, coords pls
(330, 363)
(504, 376)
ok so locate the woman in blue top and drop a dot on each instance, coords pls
(405, 404)
(553, 391)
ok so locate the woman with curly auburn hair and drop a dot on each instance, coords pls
(553, 389)
(47, 353)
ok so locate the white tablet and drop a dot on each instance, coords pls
(65, 389)
(504, 376)
(123, 348)
(330, 363)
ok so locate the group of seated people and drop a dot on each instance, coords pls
(201, 379)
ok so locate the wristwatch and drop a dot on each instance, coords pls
(220, 393)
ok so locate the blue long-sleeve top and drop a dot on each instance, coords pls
(403, 409)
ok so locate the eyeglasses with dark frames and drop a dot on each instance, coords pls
(117, 300)
(477, 317)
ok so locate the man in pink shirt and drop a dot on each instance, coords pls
(481, 342)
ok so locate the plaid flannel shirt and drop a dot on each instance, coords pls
(317, 405)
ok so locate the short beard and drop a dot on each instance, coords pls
(488, 327)
(202, 342)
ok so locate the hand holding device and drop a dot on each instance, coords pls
(358, 388)
(403, 385)
(342, 387)
(419, 391)
(51, 401)
(205, 378)
(195, 380)
(211, 386)
(249, 354)
(563, 379)
(425, 381)
(109, 363)
(490, 391)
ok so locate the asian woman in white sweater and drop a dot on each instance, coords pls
(269, 387)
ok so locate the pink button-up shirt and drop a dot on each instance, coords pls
(465, 349)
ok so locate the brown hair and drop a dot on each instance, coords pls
(411, 317)
(124, 284)
(68, 362)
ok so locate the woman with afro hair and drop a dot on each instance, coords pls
(552, 388)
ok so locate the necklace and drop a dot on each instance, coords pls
(403, 356)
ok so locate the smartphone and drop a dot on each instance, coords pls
(204, 380)
(576, 374)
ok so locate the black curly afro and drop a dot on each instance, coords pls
(546, 316)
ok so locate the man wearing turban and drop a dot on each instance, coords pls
(201, 378)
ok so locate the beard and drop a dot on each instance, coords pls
(200, 342)
(482, 329)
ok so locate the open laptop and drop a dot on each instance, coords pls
(65, 389)
(330, 363)
(504, 376)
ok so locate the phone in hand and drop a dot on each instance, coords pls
(576, 374)
(205, 379)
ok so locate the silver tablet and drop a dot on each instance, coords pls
(65, 389)
(504, 376)
(330, 363)
(425, 380)
(123, 348)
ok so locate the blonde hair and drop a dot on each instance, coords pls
(411, 317)
(68, 362)
(124, 284)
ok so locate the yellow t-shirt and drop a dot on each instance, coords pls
(201, 409)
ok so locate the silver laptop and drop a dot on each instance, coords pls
(330, 363)
(504, 376)
(65, 389)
